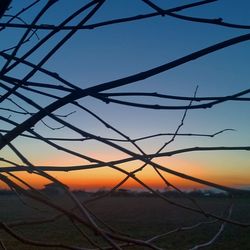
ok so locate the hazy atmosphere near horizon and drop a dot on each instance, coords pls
(141, 95)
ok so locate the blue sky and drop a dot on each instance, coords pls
(107, 53)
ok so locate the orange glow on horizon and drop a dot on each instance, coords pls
(107, 178)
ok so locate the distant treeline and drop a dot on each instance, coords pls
(135, 193)
(6, 192)
(169, 193)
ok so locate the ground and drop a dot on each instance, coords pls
(142, 217)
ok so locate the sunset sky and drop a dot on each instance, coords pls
(108, 53)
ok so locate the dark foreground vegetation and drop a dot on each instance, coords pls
(142, 217)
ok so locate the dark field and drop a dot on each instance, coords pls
(140, 217)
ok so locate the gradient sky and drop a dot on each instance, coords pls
(107, 53)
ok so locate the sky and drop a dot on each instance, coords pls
(96, 56)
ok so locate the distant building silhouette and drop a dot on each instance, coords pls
(54, 188)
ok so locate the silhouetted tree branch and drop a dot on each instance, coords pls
(33, 94)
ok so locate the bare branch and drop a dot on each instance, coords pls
(33, 94)
(221, 229)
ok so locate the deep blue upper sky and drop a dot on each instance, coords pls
(107, 53)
